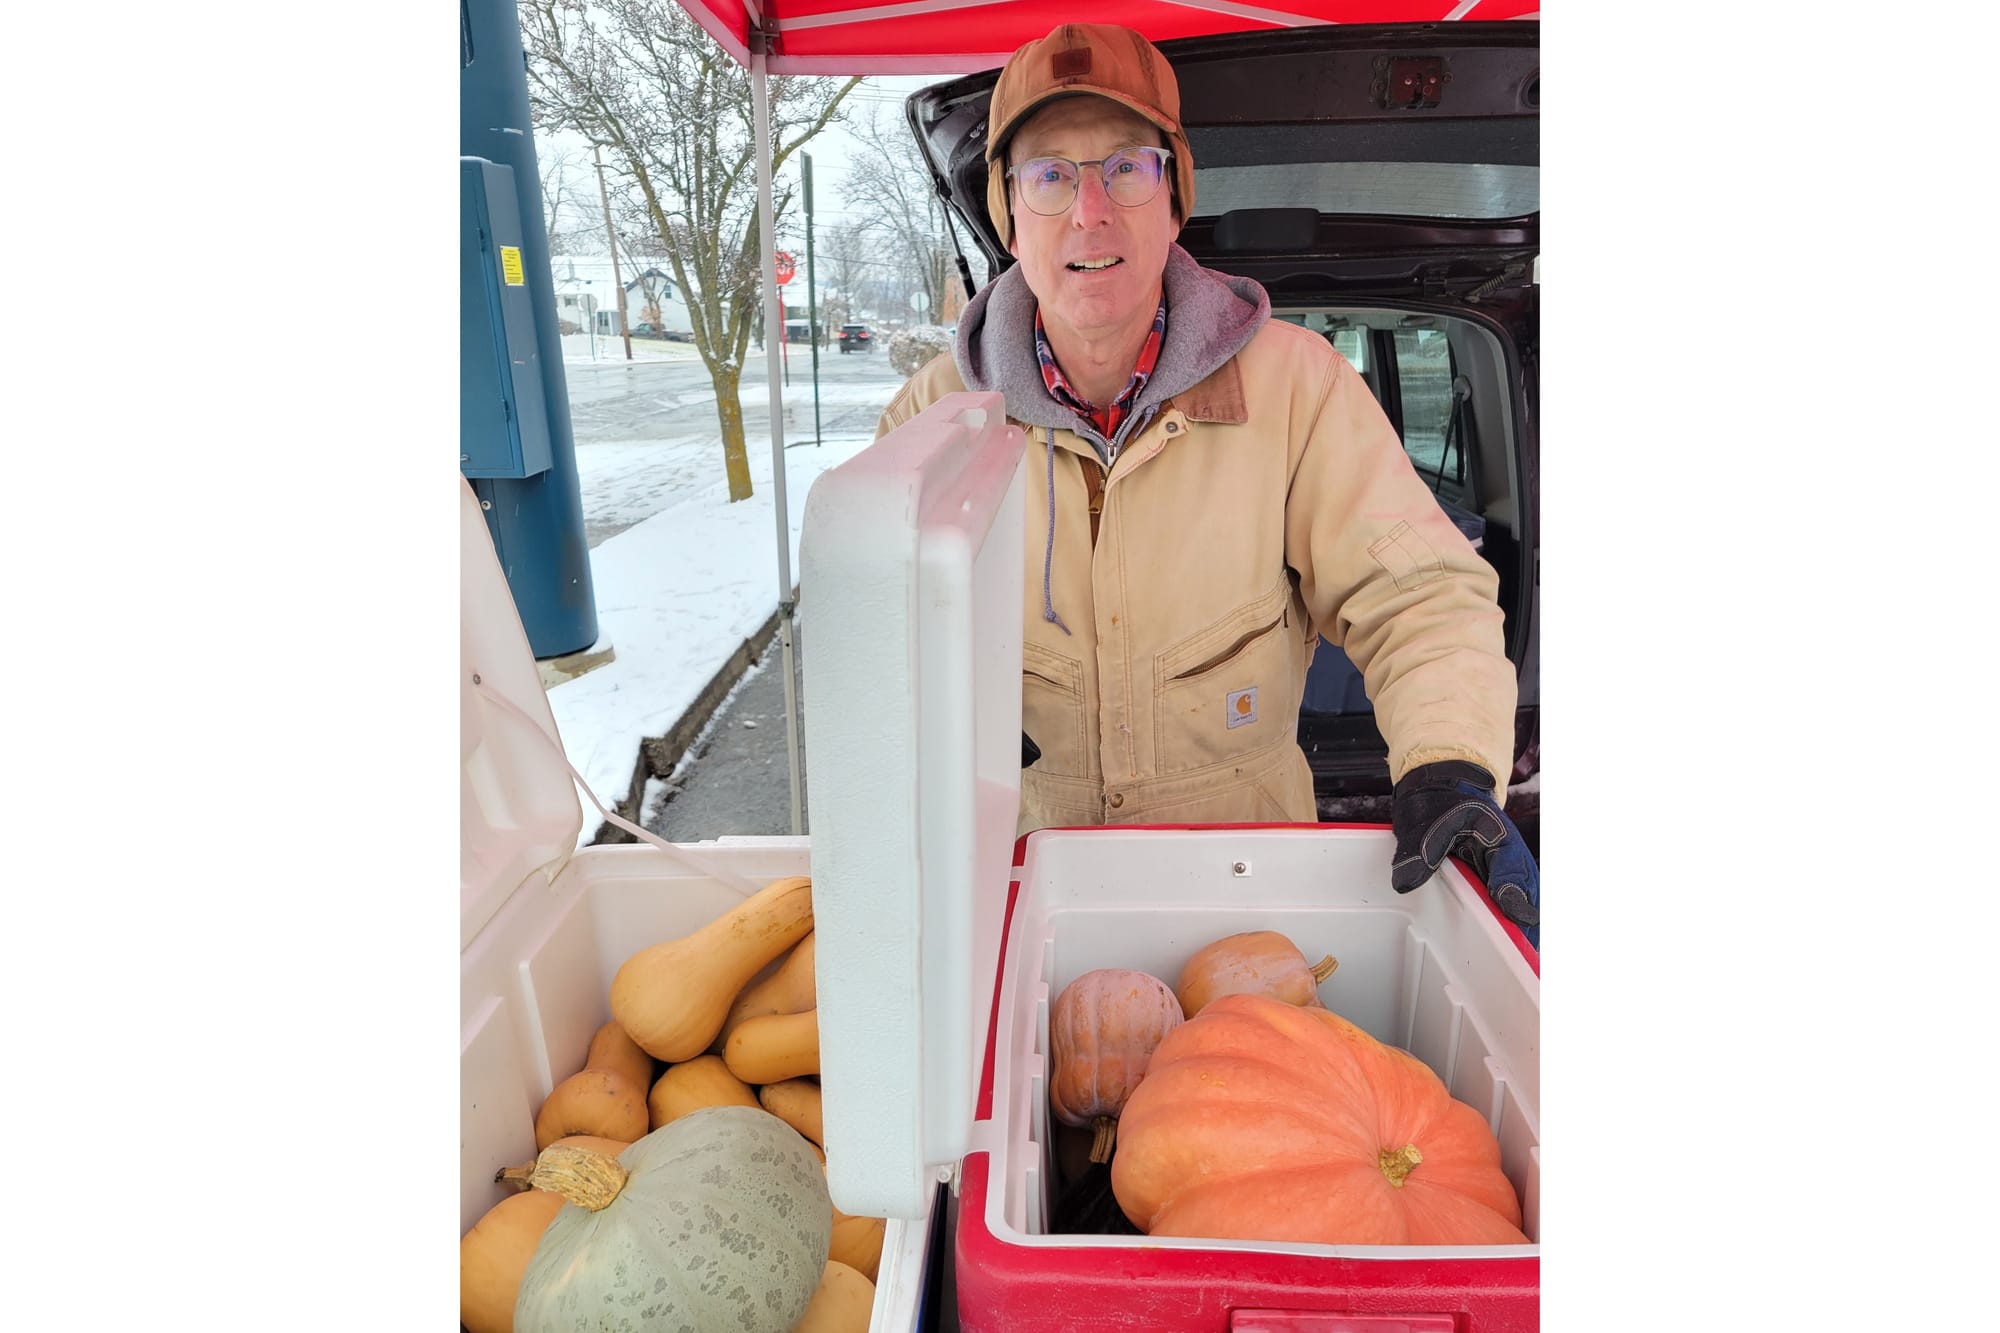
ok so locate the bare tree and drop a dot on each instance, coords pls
(569, 200)
(899, 199)
(845, 253)
(674, 114)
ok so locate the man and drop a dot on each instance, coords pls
(1210, 491)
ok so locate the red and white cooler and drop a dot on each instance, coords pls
(935, 1065)
(941, 940)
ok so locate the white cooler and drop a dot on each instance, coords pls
(913, 550)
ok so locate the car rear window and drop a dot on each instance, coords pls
(1486, 171)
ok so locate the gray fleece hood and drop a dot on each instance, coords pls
(1210, 318)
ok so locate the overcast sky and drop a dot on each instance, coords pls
(833, 151)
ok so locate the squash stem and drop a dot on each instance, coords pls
(1396, 1166)
(587, 1179)
(1324, 968)
(520, 1178)
(1106, 1140)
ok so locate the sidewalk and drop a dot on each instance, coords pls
(683, 598)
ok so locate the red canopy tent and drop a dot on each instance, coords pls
(942, 36)
(960, 36)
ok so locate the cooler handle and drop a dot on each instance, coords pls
(1320, 1321)
(691, 860)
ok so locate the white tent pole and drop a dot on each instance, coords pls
(774, 334)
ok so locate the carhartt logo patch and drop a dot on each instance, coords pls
(1243, 707)
(1071, 64)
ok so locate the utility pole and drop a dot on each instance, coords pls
(624, 324)
(812, 296)
(536, 521)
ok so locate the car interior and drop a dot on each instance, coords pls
(1442, 382)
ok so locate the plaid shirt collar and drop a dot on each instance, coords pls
(1105, 420)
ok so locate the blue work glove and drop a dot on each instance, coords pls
(1447, 808)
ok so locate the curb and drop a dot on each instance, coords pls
(658, 754)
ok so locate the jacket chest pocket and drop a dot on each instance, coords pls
(1052, 709)
(1230, 689)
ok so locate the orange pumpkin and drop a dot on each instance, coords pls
(1102, 1031)
(1260, 1120)
(1259, 962)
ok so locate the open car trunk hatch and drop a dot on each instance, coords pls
(1364, 161)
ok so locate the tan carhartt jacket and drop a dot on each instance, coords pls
(1259, 504)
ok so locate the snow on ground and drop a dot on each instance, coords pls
(628, 481)
(677, 594)
(579, 349)
(625, 484)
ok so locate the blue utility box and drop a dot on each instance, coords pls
(503, 425)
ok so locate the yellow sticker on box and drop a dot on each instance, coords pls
(510, 265)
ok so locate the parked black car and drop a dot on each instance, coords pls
(856, 338)
(1382, 183)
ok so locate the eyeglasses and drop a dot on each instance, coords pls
(1132, 177)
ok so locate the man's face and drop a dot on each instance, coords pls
(1102, 301)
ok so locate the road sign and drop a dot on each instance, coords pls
(786, 268)
(919, 301)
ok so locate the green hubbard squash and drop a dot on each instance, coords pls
(844, 1302)
(718, 1220)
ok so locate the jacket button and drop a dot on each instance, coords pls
(1173, 427)
(1117, 799)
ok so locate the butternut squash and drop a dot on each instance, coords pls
(495, 1253)
(844, 1302)
(599, 1102)
(774, 1048)
(671, 998)
(788, 989)
(857, 1242)
(611, 1048)
(796, 1101)
(693, 1084)
(591, 1143)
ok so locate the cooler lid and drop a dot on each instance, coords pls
(910, 588)
(517, 809)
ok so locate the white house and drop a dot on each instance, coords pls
(585, 292)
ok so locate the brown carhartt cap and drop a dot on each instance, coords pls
(1076, 58)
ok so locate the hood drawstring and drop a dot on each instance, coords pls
(1049, 550)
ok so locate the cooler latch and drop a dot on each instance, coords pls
(1321, 1321)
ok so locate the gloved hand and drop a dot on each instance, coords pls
(1030, 751)
(1446, 808)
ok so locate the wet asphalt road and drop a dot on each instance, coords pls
(614, 400)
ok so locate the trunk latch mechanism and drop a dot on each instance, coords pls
(1411, 83)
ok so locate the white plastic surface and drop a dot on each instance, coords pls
(535, 984)
(518, 813)
(1430, 971)
(910, 584)
(540, 949)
